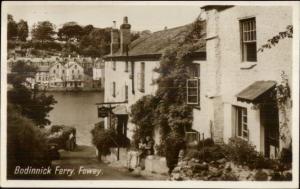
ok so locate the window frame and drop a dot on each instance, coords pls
(113, 89)
(126, 92)
(241, 126)
(194, 77)
(142, 79)
(250, 33)
(126, 66)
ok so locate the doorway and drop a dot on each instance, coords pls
(270, 119)
(122, 125)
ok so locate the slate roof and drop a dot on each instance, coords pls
(156, 43)
(43, 69)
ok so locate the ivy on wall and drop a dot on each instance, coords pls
(168, 110)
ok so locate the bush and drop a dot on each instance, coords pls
(104, 139)
(26, 144)
(240, 151)
(286, 156)
(244, 153)
(206, 153)
(174, 143)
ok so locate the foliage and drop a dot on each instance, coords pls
(43, 31)
(12, 28)
(288, 33)
(244, 153)
(22, 30)
(22, 68)
(206, 151)
(283, 92)
(104, 139)
(32, 105)
(286, 156)
(96, 43)
(173, 144)
(26, 144)
(143, 116)
(240, 151)
(70, 31)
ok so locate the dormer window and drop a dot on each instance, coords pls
(248, 40)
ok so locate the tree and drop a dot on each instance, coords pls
(96, 43)
(12, 28)
(86, 30)
(22, 30)
(26, 145)
(70, 31)
(31, 104)
(43, 31)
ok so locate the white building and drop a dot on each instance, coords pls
(129, 70)
(237, 81)
(233, 82)
(42, 76)
(68, 75)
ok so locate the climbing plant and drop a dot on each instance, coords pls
(283, 96)
(288, 33)
(168, 109)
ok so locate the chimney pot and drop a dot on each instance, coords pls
(125, 20)
(114, 25)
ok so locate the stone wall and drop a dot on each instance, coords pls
(129, 159)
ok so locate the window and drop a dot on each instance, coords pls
(54, 71)
(57, 66)
(241, 122)
(75, 66)
(192, 91)
(142, 78)
(72, 71)
(248, 39)
(63, 71)
(126, 92)
(126, 66)
(193, 85)
(114, 65)
(113, 89)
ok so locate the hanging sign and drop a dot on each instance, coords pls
(103, 111)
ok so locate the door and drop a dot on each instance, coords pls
(122, 125)
(269, 113)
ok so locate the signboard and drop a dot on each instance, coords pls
(103, 111)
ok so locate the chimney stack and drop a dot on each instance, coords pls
(114, 45)
(125, 35)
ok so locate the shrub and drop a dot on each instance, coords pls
(244, 153)
(26, 144)
(205, 143)
(143, 115)
(104, 139)
(173, 144)
(240, 151)
(206, 153)
(286, 156)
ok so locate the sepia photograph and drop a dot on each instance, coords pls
(121, 94)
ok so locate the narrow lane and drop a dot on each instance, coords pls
(84, 160)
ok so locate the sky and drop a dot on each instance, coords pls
(141, 17)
